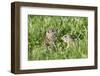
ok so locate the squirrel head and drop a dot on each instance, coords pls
(51, 31)
(67, 38)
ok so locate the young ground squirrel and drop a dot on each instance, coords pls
(50, 37)
(68, 40)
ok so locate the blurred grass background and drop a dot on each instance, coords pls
(76, 26)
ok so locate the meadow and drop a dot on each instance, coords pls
(71, 25)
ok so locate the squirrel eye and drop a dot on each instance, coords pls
(65, 36)
(48, 31)
(52, 30)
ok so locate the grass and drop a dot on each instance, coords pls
(76, 26)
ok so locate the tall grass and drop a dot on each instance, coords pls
(76, 26)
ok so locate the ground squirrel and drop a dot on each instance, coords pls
(68, 40)
(50, 37)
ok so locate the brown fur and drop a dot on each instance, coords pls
(50, 37)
